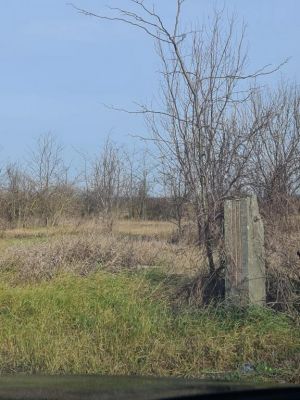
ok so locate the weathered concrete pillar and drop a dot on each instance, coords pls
(244, 244)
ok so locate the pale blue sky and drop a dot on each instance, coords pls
(58, 67)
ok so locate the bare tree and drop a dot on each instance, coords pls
(142, 189)
(275, 161)
(176, 192)
(106, 181)
(204, 121)
(137, 182)
(47, 169)
(17, 196)
(131, 163)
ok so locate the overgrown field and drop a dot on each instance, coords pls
(78, 300)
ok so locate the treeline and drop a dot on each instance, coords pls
(43, 190)
(116, 183)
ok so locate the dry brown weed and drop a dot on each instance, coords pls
(87, 252)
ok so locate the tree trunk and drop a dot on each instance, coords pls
(206, 236)
(209, 247)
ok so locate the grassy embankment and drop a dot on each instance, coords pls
(69, 304)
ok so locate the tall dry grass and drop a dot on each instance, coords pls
(90, 250)
(33, 255)
(283, 266)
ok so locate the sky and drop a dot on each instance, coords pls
(59, 68)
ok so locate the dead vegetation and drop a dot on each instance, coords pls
(84, 261)
(88, 250)
(283, 267)
(31, 256)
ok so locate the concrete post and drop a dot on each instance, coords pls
(244, 244)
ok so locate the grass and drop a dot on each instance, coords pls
(124, 324)
(76, 300)
(154, 229)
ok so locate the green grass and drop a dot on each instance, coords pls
(124, 324)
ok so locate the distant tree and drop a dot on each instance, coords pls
(50, 176)
(105, 182)
(17, 195)
(275, 163)
(176, 192)
(136, 182)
